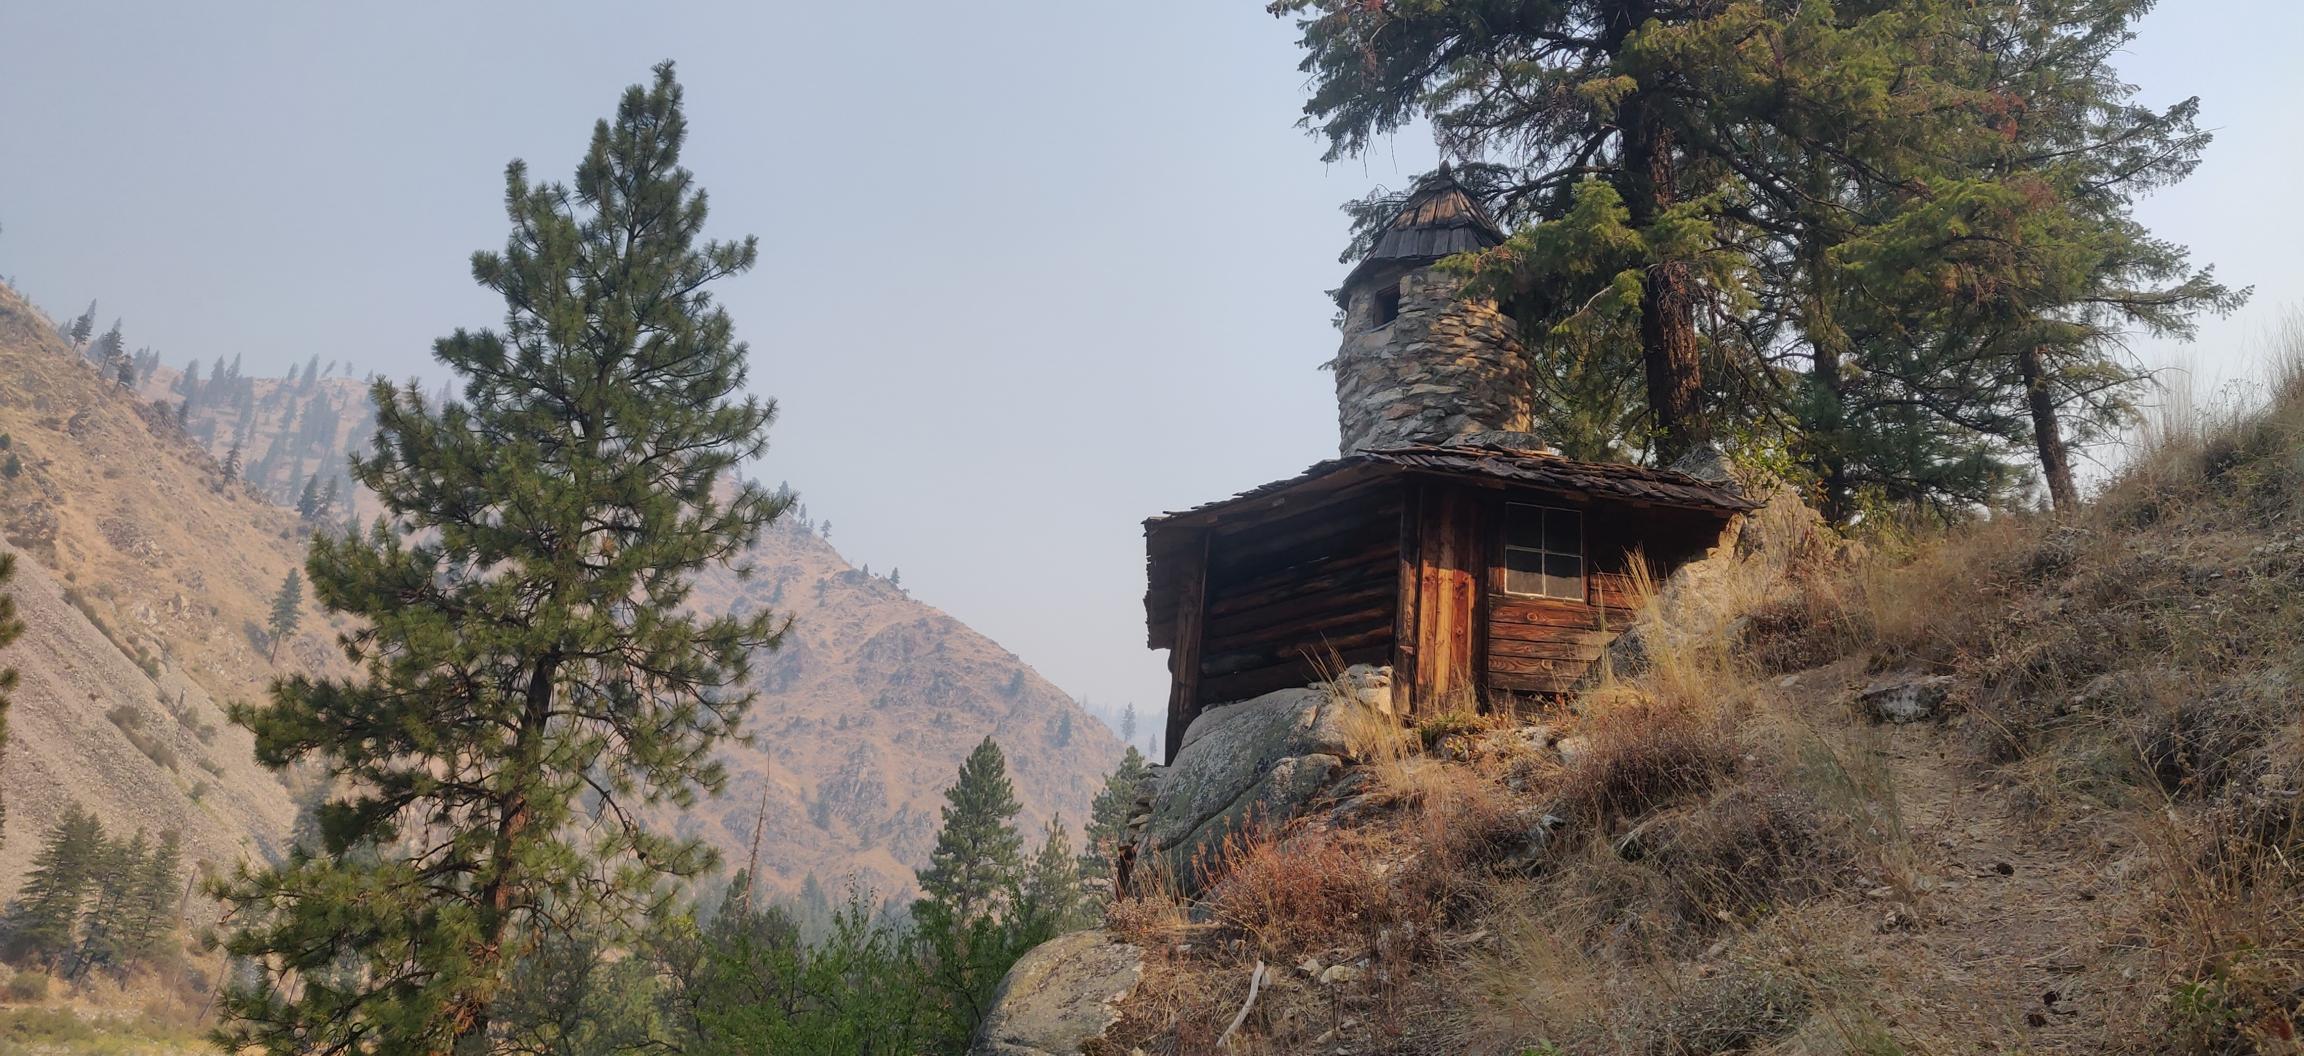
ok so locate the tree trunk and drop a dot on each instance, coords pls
(2047, 432)
(1668, 349)
(1827, 432)
(472, 1012)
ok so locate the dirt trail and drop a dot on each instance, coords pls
(2003, 936)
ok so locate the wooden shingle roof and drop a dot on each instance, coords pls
(1439, 219)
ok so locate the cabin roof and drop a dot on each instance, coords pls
(1438, 219)
(1168, 537)
(1550, 472)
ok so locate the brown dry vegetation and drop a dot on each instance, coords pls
(2098, 850)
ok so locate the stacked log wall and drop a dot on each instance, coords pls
(1288, 597)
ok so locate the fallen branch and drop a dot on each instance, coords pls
(1255, 984)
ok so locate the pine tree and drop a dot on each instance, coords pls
(1049, 902)
(1900, 221)
(10, 629)
(972, 870)
(287, 613)
(1128, 723)
(44, 922)
(148, 923)
(82, 327)
(109, 351)
(231, 465)
(967, 934)
(308, 503)
(529, 677)
(328, 496)
(104, 930)
(1108, 816)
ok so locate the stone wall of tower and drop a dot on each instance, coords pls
(1442, 368)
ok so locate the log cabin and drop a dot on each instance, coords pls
(1445, 540)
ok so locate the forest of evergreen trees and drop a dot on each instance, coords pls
(96, 902)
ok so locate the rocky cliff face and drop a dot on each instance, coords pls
(152, 576)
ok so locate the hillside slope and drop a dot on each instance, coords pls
(145, 578)
(2026, 785)
(865, 715)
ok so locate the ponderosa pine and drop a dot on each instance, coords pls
(287, 612)
(44, 920)
(10, 628)
(1108, 816)
(1906, 223)
(966, 916)
(528, 679)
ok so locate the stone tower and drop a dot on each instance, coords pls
(1419, 365)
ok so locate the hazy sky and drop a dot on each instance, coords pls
(1031, 271)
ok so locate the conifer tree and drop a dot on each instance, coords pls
(231, 465)
(1901, 221)
(104, 938)
(287, 613)
(1128, 723)
(149, 922)
(82, 327)
(308, 502)
(109, 351)
(44, 923)
(973, 869)
(1049, 901)
(328, 496)
(1108, 816)
(528, 677)
(10, 629)
(966, 920)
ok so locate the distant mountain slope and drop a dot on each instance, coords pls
(90, 727)
(148, 587)
(865, 715)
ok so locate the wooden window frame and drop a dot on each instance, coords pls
(1505, 546)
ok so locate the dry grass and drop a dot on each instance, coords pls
(1720, 855)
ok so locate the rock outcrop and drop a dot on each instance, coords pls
(1060, 996)
(1261, 761)
(1906, 698)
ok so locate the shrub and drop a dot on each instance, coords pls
(1304, 892)
(28, 986)
(1641, 756)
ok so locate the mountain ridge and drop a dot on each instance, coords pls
(146, 552)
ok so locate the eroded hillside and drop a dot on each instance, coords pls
(156, 573)
(147, 581)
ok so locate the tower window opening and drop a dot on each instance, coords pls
(1386, 306)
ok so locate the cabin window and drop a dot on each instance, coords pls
(1386, 306)
(1543, 552)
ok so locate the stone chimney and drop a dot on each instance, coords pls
(1418, 364)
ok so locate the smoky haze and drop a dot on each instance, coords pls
(1030, 271)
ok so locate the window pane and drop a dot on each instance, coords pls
(1564, 576)
(1523, 525)
(1523, 571)
(1563, 531)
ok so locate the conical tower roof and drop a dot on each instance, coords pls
(1439, 219)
